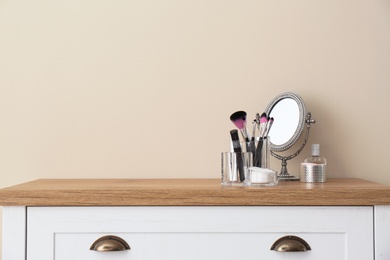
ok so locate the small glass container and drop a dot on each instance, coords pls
(234, 168)
(257, 176)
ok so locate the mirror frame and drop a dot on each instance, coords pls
(301, 123)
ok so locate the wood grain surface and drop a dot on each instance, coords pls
(191, 192)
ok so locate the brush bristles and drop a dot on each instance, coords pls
(239, 119)
(239, 123)
(238, 115)
(263, 118)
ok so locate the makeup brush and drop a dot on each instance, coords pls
(269, 125)
(258, 122)
(263, 126)
(238, 152)
(239, 120)
(252, 144)
(254, 124)
(266, 128)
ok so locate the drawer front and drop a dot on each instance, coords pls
(200, 232)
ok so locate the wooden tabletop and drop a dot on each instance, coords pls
(191, 192)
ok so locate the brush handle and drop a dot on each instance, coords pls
(257, 161)
(253, 138)
(269, 125)
(251, 147)
(245, 134)
(237, 149)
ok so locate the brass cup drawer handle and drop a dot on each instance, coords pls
(109, 244)
(290, 244)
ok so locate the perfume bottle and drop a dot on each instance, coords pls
(313, 168)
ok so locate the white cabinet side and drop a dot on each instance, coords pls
(382, 232)
(14, 233)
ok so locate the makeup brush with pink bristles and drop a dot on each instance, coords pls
(263, 124)
(239, 120)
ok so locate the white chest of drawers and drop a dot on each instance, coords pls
(195, 219)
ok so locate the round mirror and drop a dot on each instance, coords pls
(289, 113)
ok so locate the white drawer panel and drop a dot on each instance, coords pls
(195, 246)
(174, 233)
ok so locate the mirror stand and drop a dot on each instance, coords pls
(284, 175)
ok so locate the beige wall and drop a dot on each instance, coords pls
(144, 89)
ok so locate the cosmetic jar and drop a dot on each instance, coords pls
(312, 172)
(257, 176)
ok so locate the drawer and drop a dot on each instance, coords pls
(336, 233)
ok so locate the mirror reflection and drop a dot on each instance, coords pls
(287, 114)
